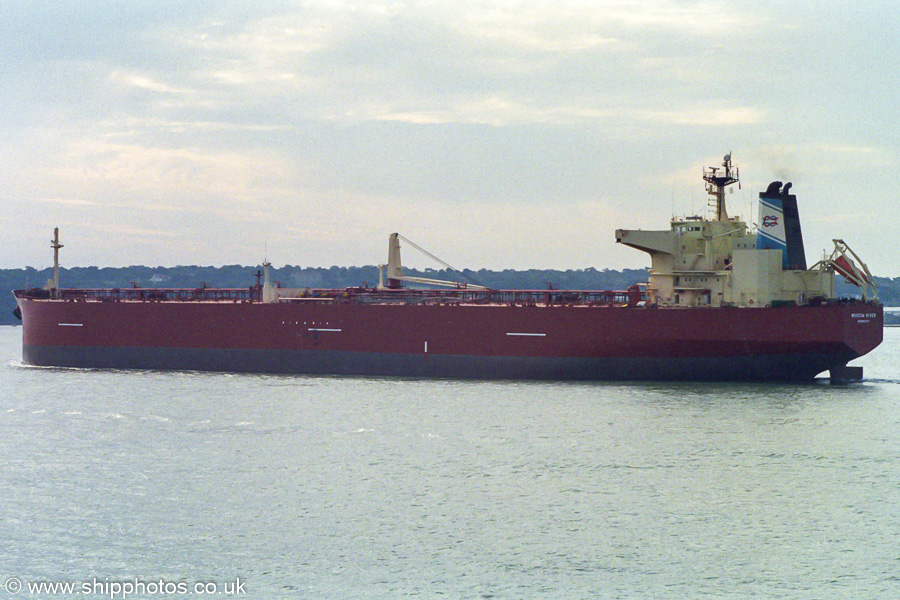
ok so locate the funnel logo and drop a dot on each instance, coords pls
(770, 233)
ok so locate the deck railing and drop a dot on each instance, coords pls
(351, 295)
(202, 294)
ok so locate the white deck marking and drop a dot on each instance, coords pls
(71, 324)
(320, 329)
(529, 334)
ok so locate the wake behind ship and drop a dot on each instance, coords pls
(721, 303)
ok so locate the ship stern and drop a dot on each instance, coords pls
(862, 332)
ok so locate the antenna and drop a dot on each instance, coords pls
(716, 183)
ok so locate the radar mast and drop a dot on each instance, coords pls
(716, 183)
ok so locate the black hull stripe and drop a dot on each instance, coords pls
(781, 367)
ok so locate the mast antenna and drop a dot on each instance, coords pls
(717, 179)
(54, 243)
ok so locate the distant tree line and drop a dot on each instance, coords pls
(237, 276)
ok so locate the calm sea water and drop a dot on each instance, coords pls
(331, 488)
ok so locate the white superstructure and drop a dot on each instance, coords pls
(721, 262)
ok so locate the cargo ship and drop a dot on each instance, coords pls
(722, 302)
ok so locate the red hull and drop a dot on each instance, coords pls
(535, 342)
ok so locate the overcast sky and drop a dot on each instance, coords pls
(494, 134)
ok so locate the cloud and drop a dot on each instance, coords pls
(68, 202)
(322, 124)
(822, 159)
(428, 63)
(498, 111)
(188, 174)
(143, 82)
(700, 115)
(494, 110)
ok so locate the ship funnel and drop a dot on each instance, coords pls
(779, 225)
